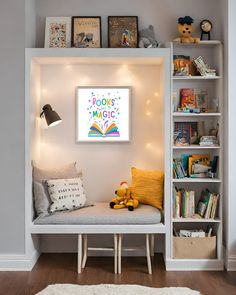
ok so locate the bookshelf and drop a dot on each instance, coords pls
(212, 53)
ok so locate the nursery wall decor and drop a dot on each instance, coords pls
(57, 32)
(86, 32)
(122, 31)
(103, 114)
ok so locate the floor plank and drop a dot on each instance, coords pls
(61, 268)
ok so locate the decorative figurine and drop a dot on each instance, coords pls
(206, 27)
(147, 38)
(185, 29)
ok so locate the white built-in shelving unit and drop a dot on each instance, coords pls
(211, 51)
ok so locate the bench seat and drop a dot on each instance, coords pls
(102, 214)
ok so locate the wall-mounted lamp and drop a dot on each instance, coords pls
(52, 118)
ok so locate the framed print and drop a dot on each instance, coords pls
(86, 32)
(103, 114)
(57, 32)
(122, 31)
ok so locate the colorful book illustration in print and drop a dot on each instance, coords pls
(181, 65)
(185, 133)
(96, 131)
(187, 98)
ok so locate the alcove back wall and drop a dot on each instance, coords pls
(104, 165)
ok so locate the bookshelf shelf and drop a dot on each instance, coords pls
(195, 220)
(212, 53)
(179, 114)
(200, 44)
(196, 180)
(195, 146)
(191, 78)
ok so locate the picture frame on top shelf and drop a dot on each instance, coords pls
(57, 32)
(86, 32)
(103, 114)
(122, 31)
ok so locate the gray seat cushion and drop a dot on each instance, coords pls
(101, 213)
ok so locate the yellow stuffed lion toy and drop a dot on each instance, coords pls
(124, 198)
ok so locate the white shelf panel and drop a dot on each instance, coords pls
(200, 44)
(195, 147)
(195, 78)
(196, 180)
(179, 114)
(195, 220)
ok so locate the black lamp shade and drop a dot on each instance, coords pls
(52, 118)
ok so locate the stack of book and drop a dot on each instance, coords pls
(183, 203)
(208, 141)
(195, 166)
(207, 205)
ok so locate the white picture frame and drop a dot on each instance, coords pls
(57, 32)
(103, 114)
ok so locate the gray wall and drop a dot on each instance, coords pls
(12, 32)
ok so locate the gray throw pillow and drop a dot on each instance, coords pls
(41, 198)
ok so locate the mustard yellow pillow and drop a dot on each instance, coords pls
(147, 186)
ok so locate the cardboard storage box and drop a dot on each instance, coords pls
(194, 248)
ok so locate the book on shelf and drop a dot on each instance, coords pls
(203, 68)
(181, 65)
(201, 98)
(195, 166)
(207, 204)
(184, 204)
(187, 98)
(185, 133)
(191, 100)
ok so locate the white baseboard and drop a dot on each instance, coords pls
(18, 262)
(230, 263)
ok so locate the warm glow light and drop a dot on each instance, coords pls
(148, 102)
(156, 94)
(44, 91)
(148, 113)
(68, 67)
(148, 145)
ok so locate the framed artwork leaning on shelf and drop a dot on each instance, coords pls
(122, 31)
(86, 32)
(57, 32)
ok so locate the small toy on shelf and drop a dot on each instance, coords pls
(147, 38)
(124, 198)
(185, 29)
(206, 27)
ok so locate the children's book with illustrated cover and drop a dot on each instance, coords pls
(185, 133)
(187, 98)
(181, 65)
(201, 97)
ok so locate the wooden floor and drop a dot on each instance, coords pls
(61, 268)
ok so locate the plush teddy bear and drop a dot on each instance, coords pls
(124, 198)
(185, 29)
(147, 38)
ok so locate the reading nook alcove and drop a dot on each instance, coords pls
(53, 77)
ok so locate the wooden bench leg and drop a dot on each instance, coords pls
(119, 252)
(152, 244)
(148, 254)
(79, 252)
(85, 250)
(115, 253)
